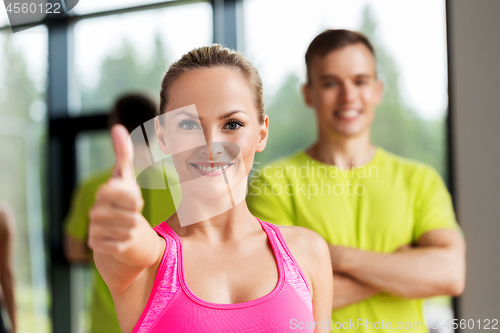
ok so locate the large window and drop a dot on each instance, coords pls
(23, 75)
(129, 51)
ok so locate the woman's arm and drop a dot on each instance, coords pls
(127, 251)
(311, 252)
(123, 242)
(322, 281)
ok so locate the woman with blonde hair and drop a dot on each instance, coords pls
(212, 266)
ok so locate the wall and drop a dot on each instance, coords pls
(474, 55)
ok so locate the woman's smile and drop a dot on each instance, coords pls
(211, 169)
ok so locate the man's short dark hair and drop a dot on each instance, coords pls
(332, 40)
(132, 110)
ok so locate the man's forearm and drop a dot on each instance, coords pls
(348, 291)
(415, 273)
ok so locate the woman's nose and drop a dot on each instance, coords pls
(214, 142)
(216, 148)
(212, 149)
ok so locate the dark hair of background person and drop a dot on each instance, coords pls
(132, 110)
(332, 40)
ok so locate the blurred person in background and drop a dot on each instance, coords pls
(130, 110)
(388, 220)
(7, 235)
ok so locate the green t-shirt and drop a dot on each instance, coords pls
(389, 202)
(158, 206)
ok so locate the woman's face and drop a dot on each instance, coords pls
(212, 130)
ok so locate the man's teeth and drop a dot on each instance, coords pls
(210, 169)
(348, 114)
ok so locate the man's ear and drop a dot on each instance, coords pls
(263, 134)
(161, 137)
(379, 91)
(306, 92)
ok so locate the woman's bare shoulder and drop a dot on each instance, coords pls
(304, 243)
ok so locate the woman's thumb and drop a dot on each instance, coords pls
(123, 153)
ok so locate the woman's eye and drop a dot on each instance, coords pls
(188, 125)
(233, 125)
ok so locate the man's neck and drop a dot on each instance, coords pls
(344, 152)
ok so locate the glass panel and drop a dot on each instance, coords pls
(412, 64)
(131, 52)
(94, 6)
(23, 76)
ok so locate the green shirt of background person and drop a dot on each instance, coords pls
(389, 221)
(131, 110)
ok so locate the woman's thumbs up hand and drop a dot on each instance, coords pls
(117, 227)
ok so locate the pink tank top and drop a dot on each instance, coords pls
(172, 306)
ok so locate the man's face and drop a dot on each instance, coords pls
(344, 91)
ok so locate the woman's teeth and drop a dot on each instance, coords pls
(210, 169)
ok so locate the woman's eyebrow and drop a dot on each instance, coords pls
(189, 114)
(195, 116)
(229, 114)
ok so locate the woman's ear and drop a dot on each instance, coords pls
(263, 134)
(160, 134)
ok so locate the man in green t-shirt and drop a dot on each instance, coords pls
(389, 221)
(131, 110)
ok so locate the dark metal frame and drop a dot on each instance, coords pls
(450, 149)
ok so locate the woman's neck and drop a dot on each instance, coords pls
(230, 225)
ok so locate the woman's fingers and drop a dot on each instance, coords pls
(115, 217)
(124, 152)
(112, 225)
(116, 224)
(123, 194)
